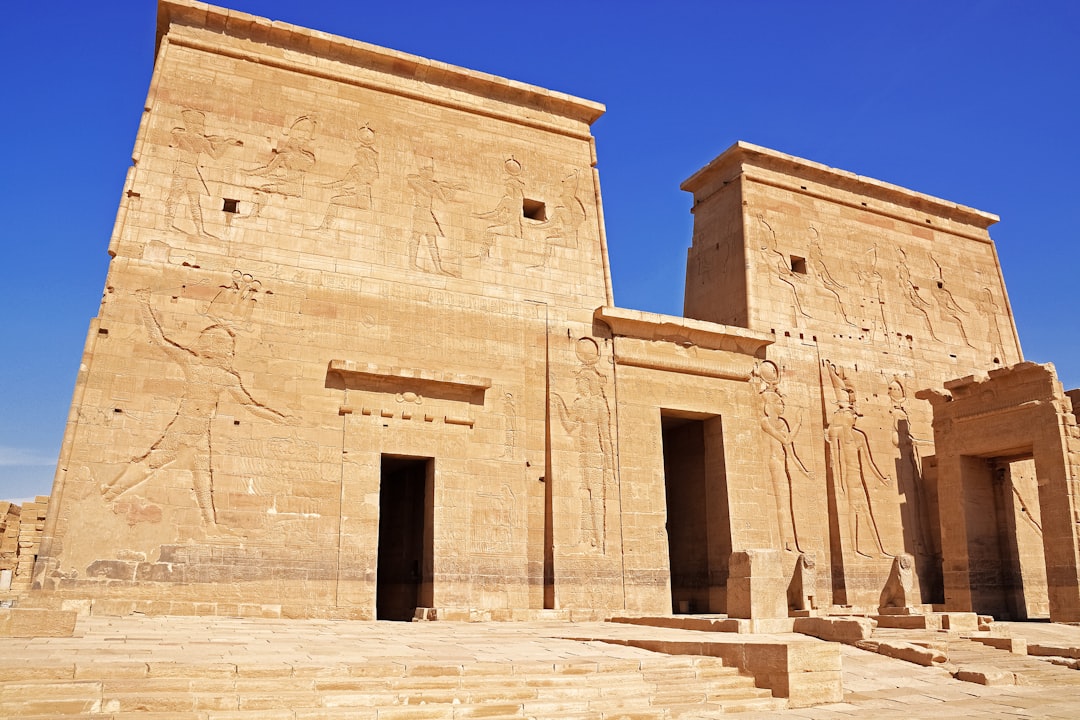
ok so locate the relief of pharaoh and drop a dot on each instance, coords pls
(185, 443)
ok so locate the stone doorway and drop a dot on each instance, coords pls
(1004, 538)
(699, 537)
(985, 430)
(406, 509)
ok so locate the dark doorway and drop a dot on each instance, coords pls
(406, 504)
(1005, 553)
(695, 489)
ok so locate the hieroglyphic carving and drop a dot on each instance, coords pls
(237, 300)
(493, 521)
(427, 228)
(354, 188)
(588, 420)
(1072, 451)
(948, 308)
(259, 462)
(188, 184)
(511, 421)
(989, 309)
(505, 219)
(872, 281)
(849, 462)
(136, 510)
(565, 220)
(909, 467)
(186, 440)
(783, 459)
(290, 161)
(820, 272)
(911, 292)
(772, 257)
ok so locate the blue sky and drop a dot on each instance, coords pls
(975, 102)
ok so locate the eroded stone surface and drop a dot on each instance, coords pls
(358, 355)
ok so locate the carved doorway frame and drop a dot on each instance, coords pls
(1014, 412)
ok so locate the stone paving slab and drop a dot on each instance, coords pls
(875, 686)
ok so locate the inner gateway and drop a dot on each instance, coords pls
(697, 515)
(1005, 539)
(406, 504)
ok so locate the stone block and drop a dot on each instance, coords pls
(1046, 650)
(960, 622)
(34, 622)
(757, 587)
(985, 676)
(909, 652)
(837, 629)
(1017, 646)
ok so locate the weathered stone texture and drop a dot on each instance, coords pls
(358, 356)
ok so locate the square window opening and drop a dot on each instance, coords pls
(534, 209)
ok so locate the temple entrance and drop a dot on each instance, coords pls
(699, 538)
(1008, 459)
(1007, 564)
(406, 508)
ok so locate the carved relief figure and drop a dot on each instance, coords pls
(185, 442)
(772, 257)
(354, 189)
(588, 420)
(872, 281)
(492, 520)
(426, 226)
(564, 223)
(911, 292)
(820, 272)
(290, 160)
(949, 308)
(506, 217)
(188, 185)
(909, 467)
(850, 461)
(989, 309)
(783, 459)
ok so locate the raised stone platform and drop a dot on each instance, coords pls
(220, 668)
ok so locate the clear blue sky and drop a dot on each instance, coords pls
(975, 102)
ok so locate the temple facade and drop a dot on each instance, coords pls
(358, 356)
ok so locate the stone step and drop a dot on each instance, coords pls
(43, 697)
(714, 711)
(1029, 670)
(630, 689)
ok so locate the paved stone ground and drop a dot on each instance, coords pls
(875, 686)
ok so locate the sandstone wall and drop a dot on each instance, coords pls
(327, 255)
(872, 292)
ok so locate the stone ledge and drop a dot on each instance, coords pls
(804, 671)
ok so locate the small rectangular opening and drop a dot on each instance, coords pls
(230, 206)
(798, 264)
(534, 209)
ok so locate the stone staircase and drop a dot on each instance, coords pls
(644, 689)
